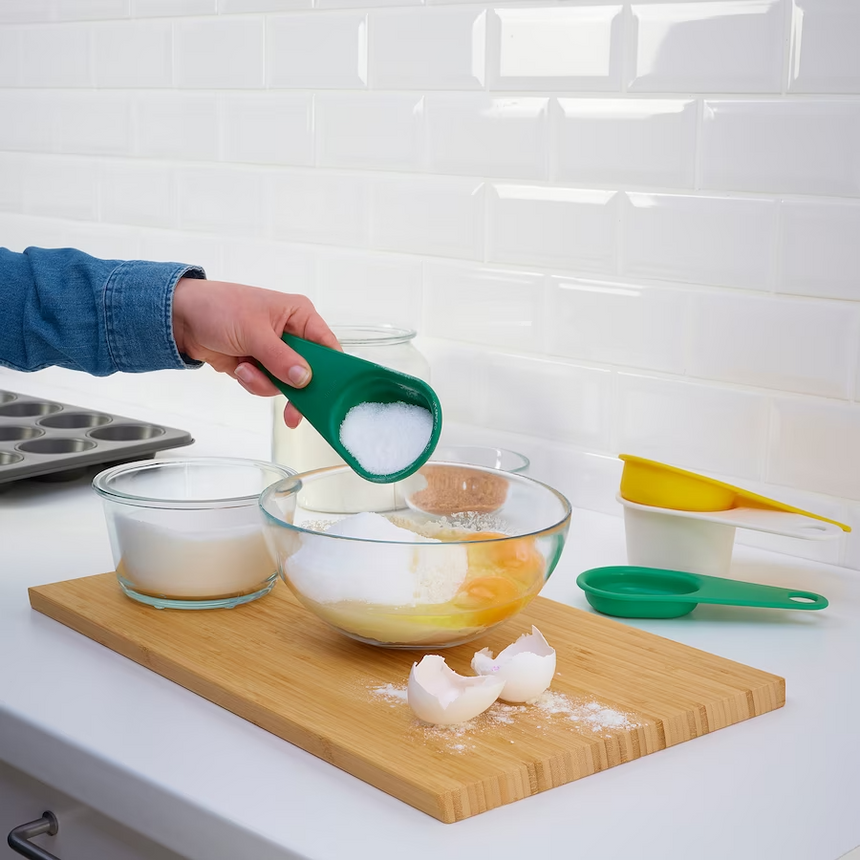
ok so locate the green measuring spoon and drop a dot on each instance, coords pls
(339, 382)
(648, 592)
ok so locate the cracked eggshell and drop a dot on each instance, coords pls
(527, 667)
(437, 694)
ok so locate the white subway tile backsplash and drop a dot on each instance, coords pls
(551, 226)
(226, 52)
(370, 130)
(192, 249)
(706, 240)
(727, 46)
(94, 123)
(357, 287)
(273, 128)
(162, 8)
(105, 241)
(326, 51)
(347, 4)
(441, 216)
(691, 425)
(618, 323)
(640, 141)
(819, 251)
(133, 54)
(10, 57)
(24, 11)
(319, 208)
(272, 265)
(552, 399)
(139, 193)
(20, 232)
(83, 10)
(221, 199)
(789, 344)
(56, 56)
(814, 446)
(60, 187)
(459, 378)
(493, 306)
(29, 120)
(798, 146)
(442, 49)
(177, 125)
(227, 6)
(11, 199)
(555, 47)
(473, 133)
(824, 39)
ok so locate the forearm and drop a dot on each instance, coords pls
(64, 308)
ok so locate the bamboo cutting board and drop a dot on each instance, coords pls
(619, 693)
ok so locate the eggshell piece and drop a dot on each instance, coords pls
(526, 666)
(437, 694)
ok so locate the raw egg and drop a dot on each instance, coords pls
(526, 667)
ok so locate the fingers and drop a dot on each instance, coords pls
(253, 380)
(292, 416)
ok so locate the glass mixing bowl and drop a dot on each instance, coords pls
(459, 550)
(186, 533)
(482, 455)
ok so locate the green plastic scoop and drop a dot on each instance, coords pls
(648, 592)
(341, 381)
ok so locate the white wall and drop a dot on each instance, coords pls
(618, 227)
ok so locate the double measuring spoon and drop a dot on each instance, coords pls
(650, 592)
(339, 382)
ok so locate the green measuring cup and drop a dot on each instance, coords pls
(649, 592)
(339, 382)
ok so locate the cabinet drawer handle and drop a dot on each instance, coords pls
(19, 837)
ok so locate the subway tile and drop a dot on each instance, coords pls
(556, 227)
(551, 399)
(91, 10)
(478, 304)
(440, 216)
(133, 54)
(273, 128)
(626, 141)
(177, 125)
(819, 249)
(136, 192)
(346, 4)
(442, 49)
(706, 240)
(94, 123)
(105, 241)
(163, 8)
(331, 209)
(555, 48)
(10, 57)
(458, 374)
(473, 133)
(824, 39)
(692, 425)
(171, 246)
(789, 344)
(29, 120)
(618, 323)
(11, 190)
(228, 6)
(369, 130)
(326, 51)
(20, 232)
(26, 11)
(227, 52)
(728, 46)
(851, 556)
(56, 56)
(794, 146)
(272, 265)
(814, 446)
(221, 199)
(357, 287)
(60, 187)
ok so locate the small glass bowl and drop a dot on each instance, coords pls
(485, 542)
(186, 533)
(480, 455)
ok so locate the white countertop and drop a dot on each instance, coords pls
(213, 787)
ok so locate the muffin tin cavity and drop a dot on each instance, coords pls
(75, 420)
(51, 441)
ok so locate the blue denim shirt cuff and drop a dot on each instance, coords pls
(138, 299)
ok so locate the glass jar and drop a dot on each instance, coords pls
(304, 449)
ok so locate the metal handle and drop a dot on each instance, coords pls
(19, 837)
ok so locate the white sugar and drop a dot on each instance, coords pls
(386, 437)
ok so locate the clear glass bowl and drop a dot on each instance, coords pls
(186, 533)
(481, 455)
(485, 542)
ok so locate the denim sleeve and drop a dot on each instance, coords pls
(63, 308)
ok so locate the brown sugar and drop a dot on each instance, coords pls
(457, 490)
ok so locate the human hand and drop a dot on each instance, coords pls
(229, 325)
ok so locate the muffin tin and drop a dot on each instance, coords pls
(56, 441)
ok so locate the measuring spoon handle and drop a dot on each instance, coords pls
(735, 593)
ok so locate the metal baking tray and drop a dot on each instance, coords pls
(54, 441)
